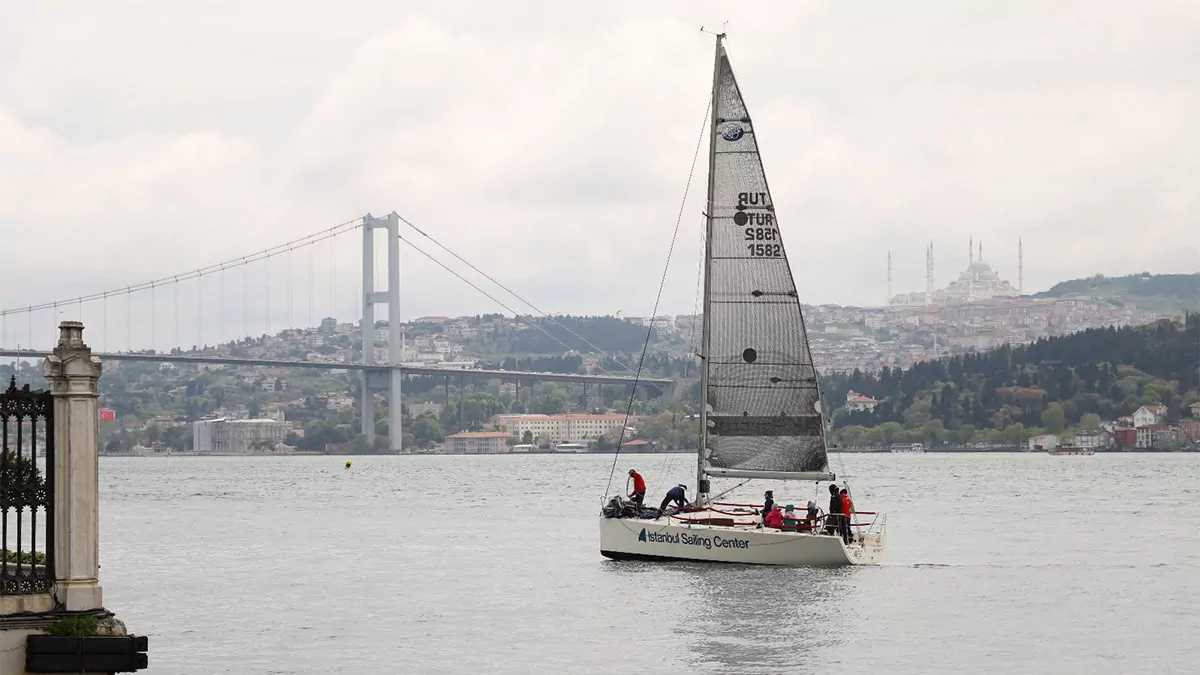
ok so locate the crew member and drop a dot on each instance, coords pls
(677, 494)
(773, 518)
(768, 502)
(639, 487)
(812, 515)
(847, 514)
(833, 519)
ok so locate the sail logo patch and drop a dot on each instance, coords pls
(732, 132)
(642, 535)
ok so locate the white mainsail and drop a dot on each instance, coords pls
(762, 417)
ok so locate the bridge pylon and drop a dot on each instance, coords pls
(390, 297)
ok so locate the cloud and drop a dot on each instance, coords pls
(551, 146)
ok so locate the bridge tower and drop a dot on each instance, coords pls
(391, 298)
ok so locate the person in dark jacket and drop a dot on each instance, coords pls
(810, 523)
(768, 502)
(677, 494)
(833, 518)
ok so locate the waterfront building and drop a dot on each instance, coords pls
(566, 428)
(478, 443)
(226, 436)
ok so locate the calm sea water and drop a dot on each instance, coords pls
(1005, 563)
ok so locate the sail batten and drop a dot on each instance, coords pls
(761, 389)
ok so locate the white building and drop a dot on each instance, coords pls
(1149, 415)
(339, 402)
(568, 428)
(226, 436)
(417, 409)
(478, 443)
(857, 402)
(1043, 442)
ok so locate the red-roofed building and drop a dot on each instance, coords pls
(478, 443)
(857, 402)
(1195, 408)
(637, 446)
(1149, 415)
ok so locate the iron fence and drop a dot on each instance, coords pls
(26, 490)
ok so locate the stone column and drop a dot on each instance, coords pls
(72, 373)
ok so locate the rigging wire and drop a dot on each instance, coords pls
(511, 292)
(309, 240)
(491, 297)
(668, 465)
(658, 298)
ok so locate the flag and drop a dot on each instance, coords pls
(108, 415)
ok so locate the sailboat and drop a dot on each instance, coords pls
(762, 415)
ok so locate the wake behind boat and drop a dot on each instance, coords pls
(762, 415)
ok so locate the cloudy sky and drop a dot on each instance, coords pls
(550, 143)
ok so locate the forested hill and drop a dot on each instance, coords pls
(1183, 289)
(1106, 371)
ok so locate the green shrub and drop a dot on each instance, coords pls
(75, 626)
(23, 557)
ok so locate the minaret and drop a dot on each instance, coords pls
(929, 274)
(980, 251)
(1020, 268)
(970, 251)
(888, 302)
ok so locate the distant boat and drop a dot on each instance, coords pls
(1071, 450)
(762, 414)
(907, 447)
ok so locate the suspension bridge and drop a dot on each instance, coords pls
(288, 287)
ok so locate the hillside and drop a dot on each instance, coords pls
(1051, 384)
(1151, 291)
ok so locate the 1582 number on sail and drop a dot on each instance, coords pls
(765, 250)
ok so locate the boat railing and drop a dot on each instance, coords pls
(875, 524)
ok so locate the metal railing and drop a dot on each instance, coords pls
(26, 491)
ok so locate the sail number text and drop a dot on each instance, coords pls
(757, 226)
(761, 234)
(765, 250)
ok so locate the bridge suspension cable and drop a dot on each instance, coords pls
(264, 254)
(508, 290)
(493, 298)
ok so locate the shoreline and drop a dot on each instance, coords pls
(1014, 451)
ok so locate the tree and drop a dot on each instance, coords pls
(1054, 419)
(527, 437)
(426, 429)
(1090, 422)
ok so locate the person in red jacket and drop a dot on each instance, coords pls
(774, 518)
(639, 487)
(848, 512)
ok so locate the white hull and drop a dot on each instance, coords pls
(667, 539)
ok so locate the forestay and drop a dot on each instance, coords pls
(761, 384)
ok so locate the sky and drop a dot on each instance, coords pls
(550, 144)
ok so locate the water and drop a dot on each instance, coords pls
(1005, 563)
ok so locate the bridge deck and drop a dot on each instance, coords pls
(325, 365)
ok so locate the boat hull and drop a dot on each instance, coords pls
(662, 540)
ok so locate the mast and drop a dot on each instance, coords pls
(706, 331)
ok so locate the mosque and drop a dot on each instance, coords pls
(978, 283)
